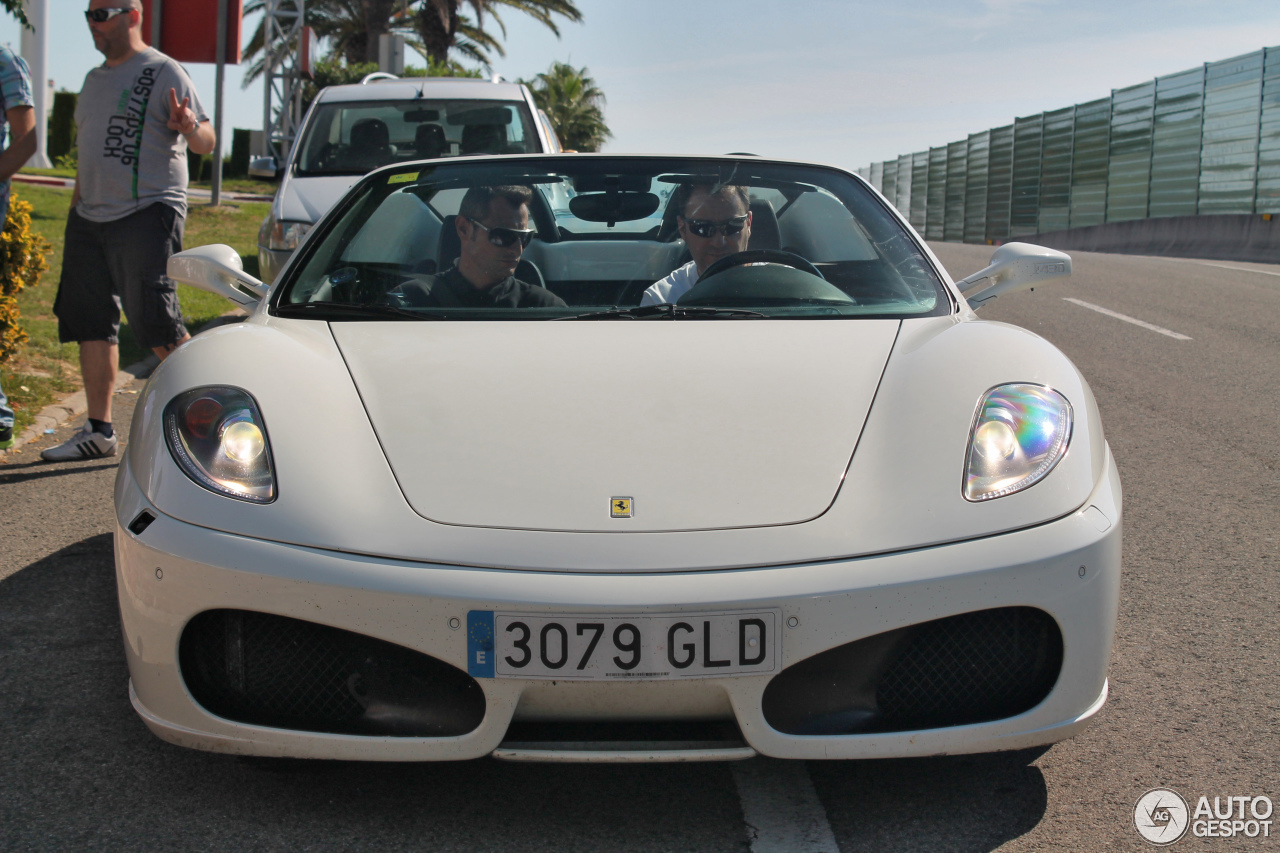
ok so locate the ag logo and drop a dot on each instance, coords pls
(1161, 816)
(619, 507)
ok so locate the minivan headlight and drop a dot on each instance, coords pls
(282, 235)
(218, 438)
(1018, 435)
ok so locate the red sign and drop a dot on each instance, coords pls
(309, 53)
(189, 29)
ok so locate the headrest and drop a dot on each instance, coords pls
(483, 139)
(449, 246)
(429, 141)
(370, 132)
(765, 233)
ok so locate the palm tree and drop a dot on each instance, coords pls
(574, 104)
(443, 28)
(14, 7)
(351, 27)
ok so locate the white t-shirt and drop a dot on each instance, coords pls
(672, 287)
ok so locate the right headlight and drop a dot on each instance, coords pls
(1018, 435)
(217, 437)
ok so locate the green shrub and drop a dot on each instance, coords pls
(70, 160)
(22, 259)
(448, 68)
(62, 125)
(239, 165)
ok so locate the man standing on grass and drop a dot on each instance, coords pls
(136, 116)
(17, 111)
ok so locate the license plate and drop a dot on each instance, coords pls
(619, 648)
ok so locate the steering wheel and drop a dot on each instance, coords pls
(763, 278)
(760, 256)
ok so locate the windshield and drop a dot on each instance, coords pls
(569, 237)
(355, 137)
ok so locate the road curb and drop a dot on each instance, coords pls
(58, 413)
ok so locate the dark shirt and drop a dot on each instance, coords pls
(450, 289)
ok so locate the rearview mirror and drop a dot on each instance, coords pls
(217, 269)
(613, 207)
(1014, 266)
(264, 167)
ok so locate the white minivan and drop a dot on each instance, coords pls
(351, 130)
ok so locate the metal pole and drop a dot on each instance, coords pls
(35, 50)
(155, 24)
(216, 190)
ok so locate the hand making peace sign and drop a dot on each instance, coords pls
(181, 117)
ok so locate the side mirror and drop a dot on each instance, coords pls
(1014, 266)
(264, 167)
(217, 269)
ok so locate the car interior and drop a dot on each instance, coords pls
(589, 260)
(358, 137)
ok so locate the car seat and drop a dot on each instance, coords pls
(429, 141)
(483, 139)
(370, 145)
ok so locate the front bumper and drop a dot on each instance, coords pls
(173, 571)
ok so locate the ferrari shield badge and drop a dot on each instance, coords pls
(619, 507)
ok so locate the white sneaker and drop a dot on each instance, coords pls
(85, 444)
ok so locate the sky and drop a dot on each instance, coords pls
(845, 82)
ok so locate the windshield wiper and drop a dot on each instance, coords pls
(668, 311)
(351, 311)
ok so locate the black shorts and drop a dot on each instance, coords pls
(121, 263)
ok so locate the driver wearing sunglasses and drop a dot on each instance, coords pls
(715, 222)
(493, 230)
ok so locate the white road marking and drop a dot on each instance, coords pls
(1134, 320)
(782, 811)
(1237, 269)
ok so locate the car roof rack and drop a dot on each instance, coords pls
(384, 75)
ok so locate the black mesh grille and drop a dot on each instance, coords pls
(972, 668)
(275, 671)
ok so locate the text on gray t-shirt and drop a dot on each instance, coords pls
(129, 158)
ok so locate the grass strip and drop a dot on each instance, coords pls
(46, 369)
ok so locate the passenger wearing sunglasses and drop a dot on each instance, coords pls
(715, 222)
(493, 229)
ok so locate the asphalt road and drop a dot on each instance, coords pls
(1195, 694)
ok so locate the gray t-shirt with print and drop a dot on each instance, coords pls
(129, 158)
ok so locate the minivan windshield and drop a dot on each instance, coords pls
(591, 237)
(346, 138)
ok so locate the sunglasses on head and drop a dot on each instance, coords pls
(709, 227)
(505, 237)
(101, 16)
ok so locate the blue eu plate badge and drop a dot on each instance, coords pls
(480, 643)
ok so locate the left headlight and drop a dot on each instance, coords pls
(218, 438)
(281, 235)
(1018, 435)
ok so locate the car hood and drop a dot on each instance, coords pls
(308, 199)
(541, 426)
